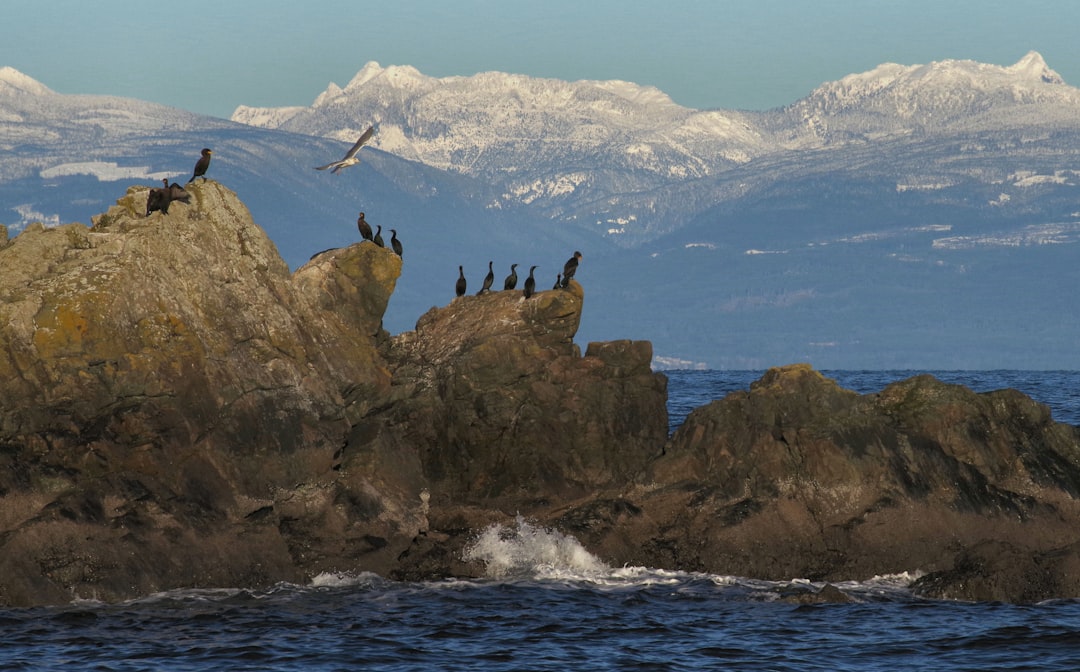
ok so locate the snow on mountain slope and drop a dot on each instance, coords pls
(938, 97)
(601, 155)
(912, 216)
(495, 123)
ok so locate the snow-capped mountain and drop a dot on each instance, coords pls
(615, 158)
(912, 216)
(549, 145)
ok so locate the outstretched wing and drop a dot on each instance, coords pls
(360, 143)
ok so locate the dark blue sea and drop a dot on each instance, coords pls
(550, 605)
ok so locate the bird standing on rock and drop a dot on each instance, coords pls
(570, 268)
(530, 283)
(394, 242)
(378, 237)
(201, 165)
(511, 280)
(488, 280)
(350, 156)
(558, 280)
(365, 228)
(460, 287)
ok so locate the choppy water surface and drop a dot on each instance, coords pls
(550, 605)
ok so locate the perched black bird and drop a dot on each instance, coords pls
(460, 287)
(530, 283)
(350, 156)
(558, 280)
(365, 228)
(176, 192)
(570, 268)
(378, 237)
(201, 165)
(160, 199)
(157, 199)
(511, 280)
(394, 242)
(488, 280)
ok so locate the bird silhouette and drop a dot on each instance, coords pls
(460, 286)
(488, 280)
(570, 268)
(350, 156)
(201, 165)
(378, 237)
(511, 280)
(365, 228)
(558, 280)
(394, 242)
(530, 283)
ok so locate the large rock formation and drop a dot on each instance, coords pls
(180, 410)
(177, 409)
(798, 477)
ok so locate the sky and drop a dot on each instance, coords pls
(210, 57)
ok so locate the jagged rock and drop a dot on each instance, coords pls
(497, 401)
(798, 477)
(173, 407)
(179, 410)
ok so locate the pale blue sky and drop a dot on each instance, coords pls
(209, 57)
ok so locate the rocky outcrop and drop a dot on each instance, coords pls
(173, 401)
(177, 409)
(181, 410)
(798, 477)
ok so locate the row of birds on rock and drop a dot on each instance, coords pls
(376, 237)
(562, 281)
(159, 199)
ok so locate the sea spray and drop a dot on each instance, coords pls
(528, 550)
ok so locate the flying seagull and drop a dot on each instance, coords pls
(350, 156)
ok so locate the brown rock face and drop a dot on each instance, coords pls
(798, 477)
(172, 404)
(179, 410)
(497, 398)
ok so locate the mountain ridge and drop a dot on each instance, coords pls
(730, 239)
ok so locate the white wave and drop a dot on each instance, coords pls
(344, 579)
(526, 549)
(529, 552)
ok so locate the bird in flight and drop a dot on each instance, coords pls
(350, 156)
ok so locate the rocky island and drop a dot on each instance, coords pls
(178, 409)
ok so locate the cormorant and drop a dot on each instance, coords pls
(350, 156)
(378, 237)
(488, 279)
(201, 165)
(558, 280)
(530, 283)
(570, 268)
(394, 242)
(157, 199)
(460, 287)
(176, 192)
(511, 280)
(160, 199)
(365, 228)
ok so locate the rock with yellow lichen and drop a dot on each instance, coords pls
(179, 410)
(168, 388)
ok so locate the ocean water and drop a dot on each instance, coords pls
(548, 604)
